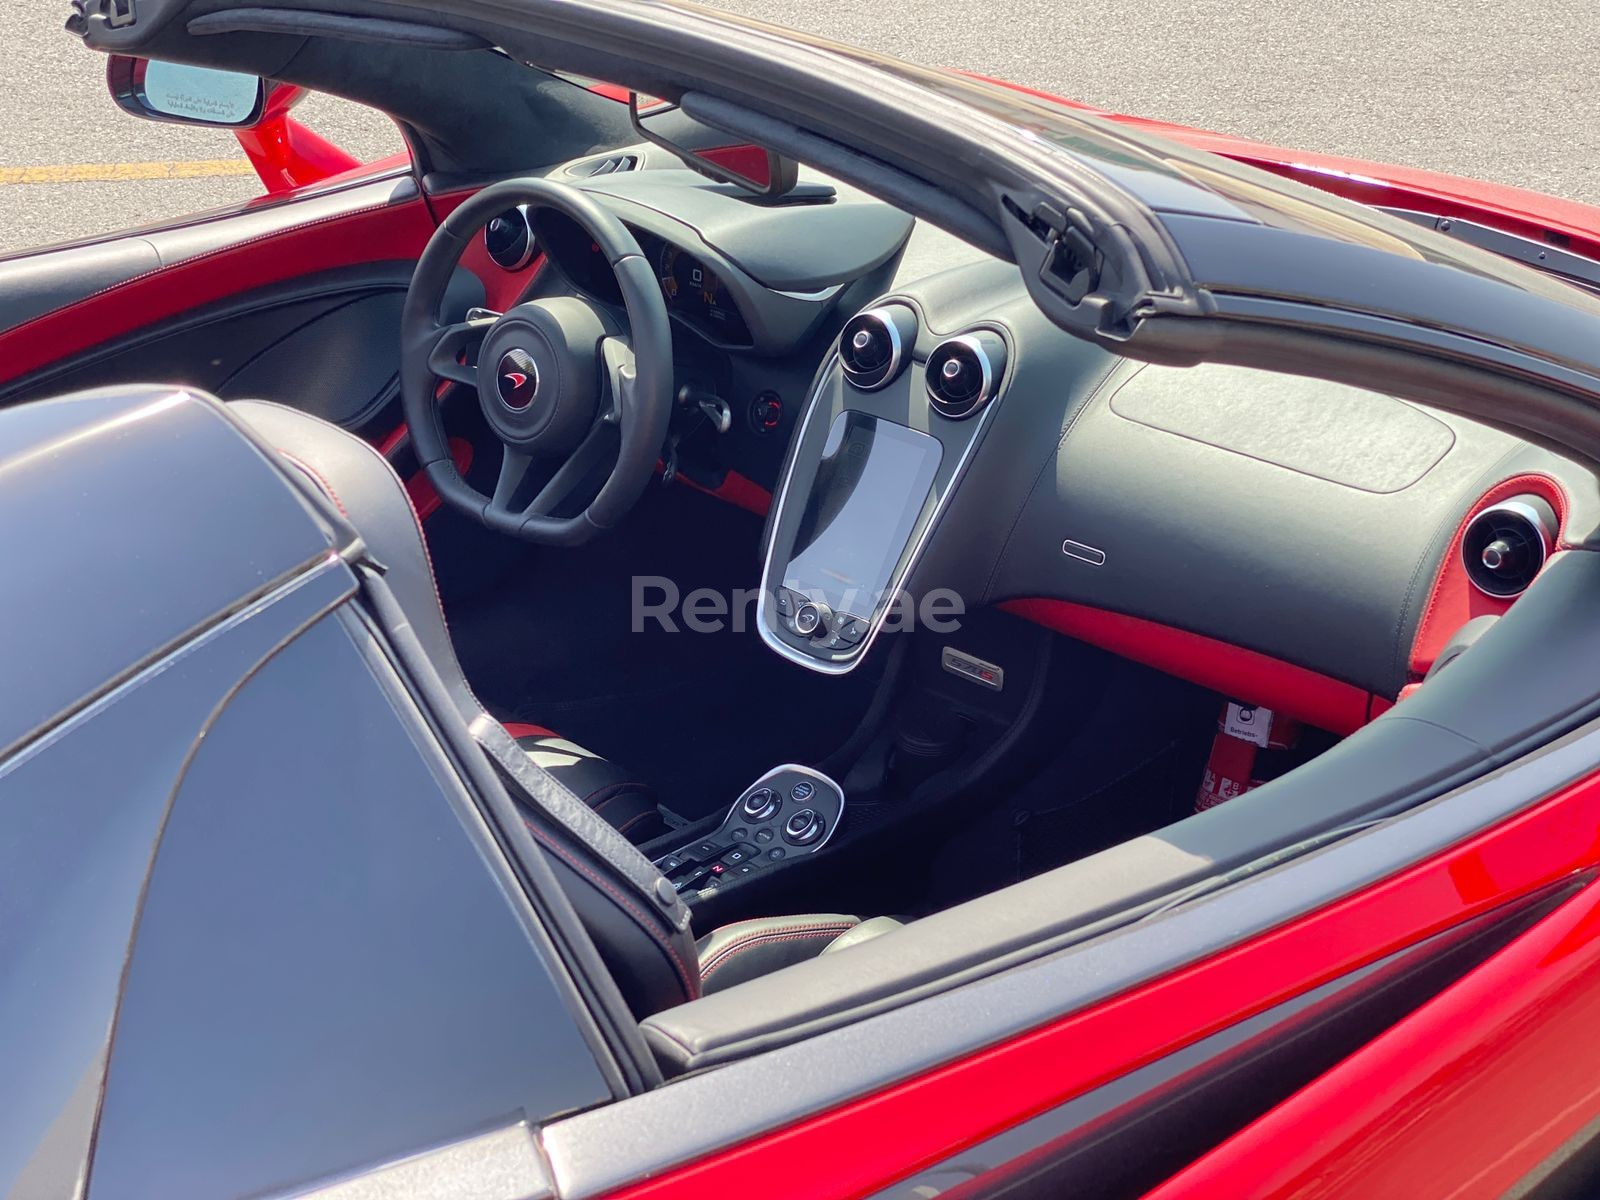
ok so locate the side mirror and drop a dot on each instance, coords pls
(185, 95)
(708, 150)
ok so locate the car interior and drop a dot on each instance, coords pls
(937, 639)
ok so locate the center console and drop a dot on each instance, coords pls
(881, 447)
(789, 812)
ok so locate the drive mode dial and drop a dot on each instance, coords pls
(760, 804)
(813, 620)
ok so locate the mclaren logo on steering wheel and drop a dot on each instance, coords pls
(518, 380)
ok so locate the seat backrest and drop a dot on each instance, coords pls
(639, 925)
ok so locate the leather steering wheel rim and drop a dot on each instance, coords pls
(637, 371)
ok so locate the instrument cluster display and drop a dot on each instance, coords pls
(697, 295)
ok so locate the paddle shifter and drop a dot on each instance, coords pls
(789, 811)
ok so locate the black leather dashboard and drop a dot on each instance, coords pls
(1298, 518)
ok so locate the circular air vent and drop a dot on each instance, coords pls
(1507, 543)
(964, 373)
(509, 239)
(873, 345)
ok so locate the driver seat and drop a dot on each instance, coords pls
(574, 804)
(365, 494)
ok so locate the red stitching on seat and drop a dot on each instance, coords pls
(317, 478)
(794, 935)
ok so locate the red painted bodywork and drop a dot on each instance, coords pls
(1511, 209)
(285, 153)
(1465, 1097)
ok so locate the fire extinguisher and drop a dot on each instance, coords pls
(1237, 761)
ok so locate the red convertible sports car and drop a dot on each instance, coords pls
(787, 624)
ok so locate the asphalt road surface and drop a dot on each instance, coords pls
(1487, 89)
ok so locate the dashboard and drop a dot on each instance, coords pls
(926, 429)
(1332, 537)
(694, 290)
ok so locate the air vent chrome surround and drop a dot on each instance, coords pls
(509, 239)
(964, 373)
(873, 345)
(1504, 546)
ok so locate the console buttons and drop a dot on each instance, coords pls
(776, 853)
(851, 630)
(741, 834)
(733, 858)
(668, 864)
(693, 877)
(760, 804)
(803, 790)
(804, 827)
(748, 868)
(786, 604)
(704, 850)
(764, 836)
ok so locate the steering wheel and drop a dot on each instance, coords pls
(554, 382)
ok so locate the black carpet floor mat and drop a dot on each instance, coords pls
(550, 638)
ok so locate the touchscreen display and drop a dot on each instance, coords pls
(871, 485)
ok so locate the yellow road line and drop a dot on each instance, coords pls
(125, 172)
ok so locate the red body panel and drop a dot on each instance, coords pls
(1512, 209)
(870, 1143)
(287, 155)
(1463, 1098)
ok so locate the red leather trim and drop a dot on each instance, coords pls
(734, 489)
(501, 288)
(377, 234)
(1453, 600)
(1234, 671)
(519, 731)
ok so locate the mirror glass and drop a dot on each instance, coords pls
(201, 94)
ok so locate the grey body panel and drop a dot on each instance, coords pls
(131, 481)
(175, 940)
(327, 972)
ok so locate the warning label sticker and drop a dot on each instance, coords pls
(1248, 724)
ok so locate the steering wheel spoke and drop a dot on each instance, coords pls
(595, 449)
(452, 342)
(514, 466)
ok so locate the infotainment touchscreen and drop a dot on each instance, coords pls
(870, 487)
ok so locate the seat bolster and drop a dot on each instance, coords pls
(864, 932)
(627, 804)
(745, 950)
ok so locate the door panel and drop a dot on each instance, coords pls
(41, 281)
(198, 299)
(304, 310)
(327, 344)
